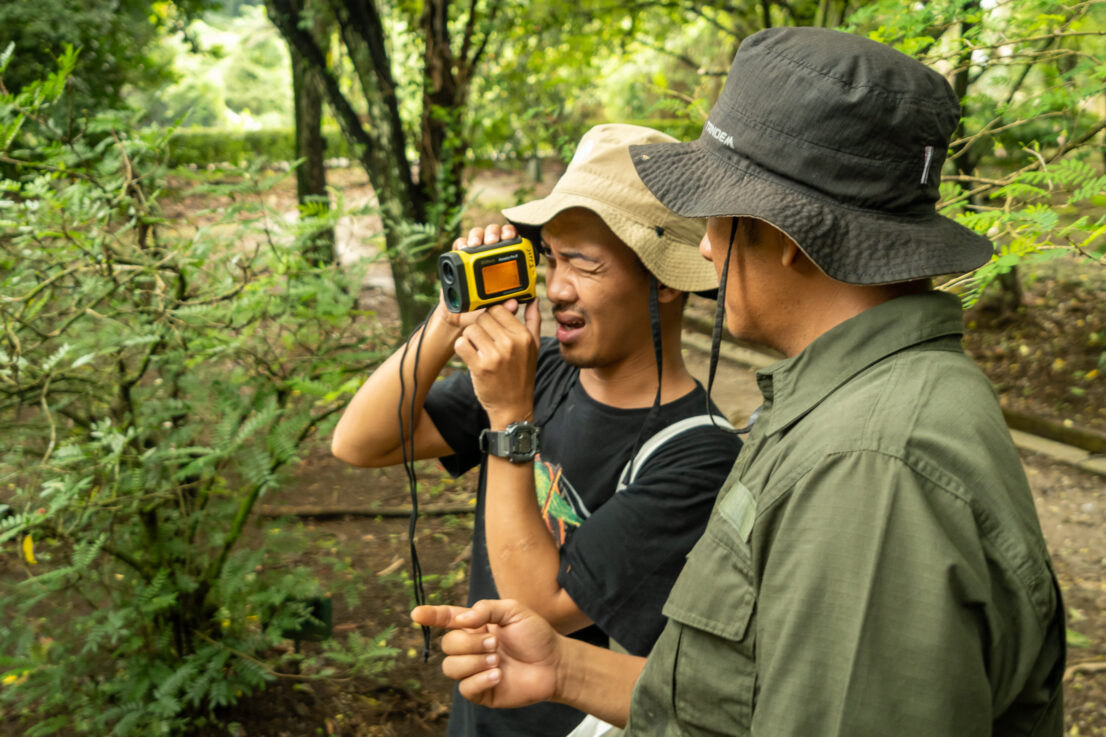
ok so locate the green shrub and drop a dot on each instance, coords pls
(156, 378)
(203, 146)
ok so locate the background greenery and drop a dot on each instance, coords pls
(157, 378)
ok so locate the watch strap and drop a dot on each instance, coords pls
(518, 443)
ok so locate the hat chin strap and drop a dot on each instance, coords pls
(716, 332)
(658, 350)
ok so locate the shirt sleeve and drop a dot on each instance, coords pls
(619, 566)
(452, 406)
(876, 609)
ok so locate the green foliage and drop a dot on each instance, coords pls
(116, 34)
(1025, 169)
(203, 146)
(116, 39)
(229, 71)
(156, 379)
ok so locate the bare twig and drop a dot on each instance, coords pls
(1091, 666)
(50, 419)
(262, 664)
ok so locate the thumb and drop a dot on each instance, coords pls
(533, 320)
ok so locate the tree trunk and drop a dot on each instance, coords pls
(420, 214)
(307, 94)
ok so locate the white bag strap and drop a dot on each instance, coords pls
(633, 466)
(594, 727)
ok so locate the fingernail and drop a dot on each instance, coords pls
(489, 643)
(491, 659)
(493, 676)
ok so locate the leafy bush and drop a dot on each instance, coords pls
(1026, 165)
(203, 146)
(156, 377)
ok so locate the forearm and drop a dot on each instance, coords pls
(524, 557)
(597, 681)
(368, 433)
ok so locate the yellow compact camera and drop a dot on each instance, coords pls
(487, 275)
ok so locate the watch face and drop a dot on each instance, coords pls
(524, 443)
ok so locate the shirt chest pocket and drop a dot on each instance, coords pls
(714, 603)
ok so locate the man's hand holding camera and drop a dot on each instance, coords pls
(501, 353)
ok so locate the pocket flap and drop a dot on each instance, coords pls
(714, 592)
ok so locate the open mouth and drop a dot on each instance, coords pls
(568, 327)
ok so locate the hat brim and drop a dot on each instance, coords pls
(664, 255)
(850, 244)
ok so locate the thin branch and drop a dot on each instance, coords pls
(46, 167)
(694, 9)
(262, 664)
(1041, 163)
(50, 419)
(682, 58)
(1093, 666)
(493, 11)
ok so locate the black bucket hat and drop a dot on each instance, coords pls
(836, 140)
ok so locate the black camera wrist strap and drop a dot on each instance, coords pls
(407, 448)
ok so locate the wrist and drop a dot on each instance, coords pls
(499, 419)
(567, 676)
(440, 329)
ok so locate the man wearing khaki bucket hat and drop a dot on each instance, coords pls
(591, 527)
(874, 564)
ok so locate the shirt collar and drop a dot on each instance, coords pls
(794, 386)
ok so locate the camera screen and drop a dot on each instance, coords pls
(501, 277)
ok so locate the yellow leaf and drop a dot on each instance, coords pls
(29, 549)
(13, 679)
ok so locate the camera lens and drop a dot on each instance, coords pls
(447, 273)
(452, 299)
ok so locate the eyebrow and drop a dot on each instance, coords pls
(569, 254)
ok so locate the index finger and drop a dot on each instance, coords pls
(505, 314)
(440, 616)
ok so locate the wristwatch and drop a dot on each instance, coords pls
(518, 443)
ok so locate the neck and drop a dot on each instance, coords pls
(632, 382)
(828, 310)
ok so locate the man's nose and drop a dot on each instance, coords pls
(558, 288)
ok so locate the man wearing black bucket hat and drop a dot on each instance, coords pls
(874, 564)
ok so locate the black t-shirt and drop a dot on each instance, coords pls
(620, 553)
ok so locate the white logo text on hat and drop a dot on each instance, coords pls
(722, 136)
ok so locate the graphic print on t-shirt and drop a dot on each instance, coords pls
(561, 507)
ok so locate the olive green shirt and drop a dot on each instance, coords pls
(874, 564)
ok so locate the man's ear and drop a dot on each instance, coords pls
(665, 295)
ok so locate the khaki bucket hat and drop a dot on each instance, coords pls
(601, 178)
